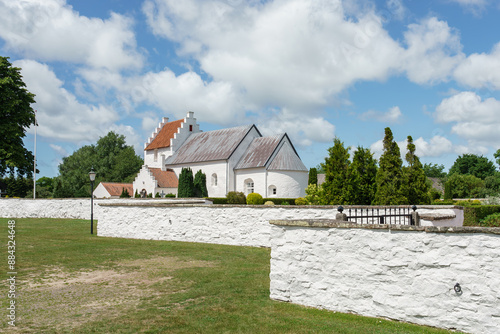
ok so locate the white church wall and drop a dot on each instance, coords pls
(219, 168)
(289, 184)
(236, 156)
(257, 175)
(149, 157)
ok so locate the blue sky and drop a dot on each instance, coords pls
(314, 69)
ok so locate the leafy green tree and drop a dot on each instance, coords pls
(471, 164)
(124, 193)
(492, 184)
(200, 184)
(111, 158)
(313, 176)
(434, 170)
(463, 186)
(16, 116)
(361, 185)
(186, 184)
(336, 168)
(389, 177)
(416, 186)
(497, 156)
(17, 186)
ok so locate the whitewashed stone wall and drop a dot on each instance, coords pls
(399, 274)
(46, 208)
(220, 224)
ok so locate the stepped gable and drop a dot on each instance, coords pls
(163, 134)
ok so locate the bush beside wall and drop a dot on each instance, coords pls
(474, 214)
(280, 201)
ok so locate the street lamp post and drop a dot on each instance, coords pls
(92, 179)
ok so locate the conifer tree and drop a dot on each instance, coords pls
(361, 185)
(389, 177)
(186, 184)
(416, 187)
(336, 168)
(313, 176)
(200, 184)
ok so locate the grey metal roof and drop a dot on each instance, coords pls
(259, 152)
(287, 159)
(210, 145)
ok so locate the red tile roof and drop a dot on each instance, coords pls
(166, 133)
(166, 179)
(115, 189)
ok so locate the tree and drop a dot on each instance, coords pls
(389, 177)
(111, 158)
(471, 164)
(186, 183)
(416, 186)
(497, 156)
(16, 116)
(434, 170)
(313, 176)
(463, 186)
(124, 193)
(336, 168)
(200, 184)
(361, 185)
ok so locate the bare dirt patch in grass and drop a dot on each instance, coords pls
(56, 300)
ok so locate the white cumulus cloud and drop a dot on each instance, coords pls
(393, 115)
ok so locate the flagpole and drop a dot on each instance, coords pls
(34, 167)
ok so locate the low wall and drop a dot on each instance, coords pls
(399, 272)
(240, 225)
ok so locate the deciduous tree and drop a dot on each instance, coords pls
(471, 164)
(16, 116)
(434, 170)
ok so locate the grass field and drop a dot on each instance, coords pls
(72, 282)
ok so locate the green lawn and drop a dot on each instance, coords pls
(72, 282)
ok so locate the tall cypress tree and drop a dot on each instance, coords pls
(336, 168)
(416, 188)
(389, 177)
(313, 176)
(200, 184)
(186, 184)
(361, 183)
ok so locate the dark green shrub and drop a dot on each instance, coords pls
(170, 195)
(285, 203)
(475, 213)
(218, 200)
(279, 201)
(492, 220)
(124, 193)
(200, 184)
(157, 195)
(434, 194)
(137, 194)
(236, 197)
(150, 195)
(186, 184)
(255, 199)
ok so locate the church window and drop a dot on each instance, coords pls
(272, 190)
(156, 154)
(214, 180)
(249, 186)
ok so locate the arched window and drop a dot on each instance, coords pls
(214, 180)
(156, 154)
(272, 191)
(249, 186)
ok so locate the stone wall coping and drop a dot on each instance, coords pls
(432, 216)
(203, 203)
(333, 223)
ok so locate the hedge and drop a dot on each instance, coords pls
(218, 200)
(473, 214)
(280, 201)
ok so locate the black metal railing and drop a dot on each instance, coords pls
(400, 216)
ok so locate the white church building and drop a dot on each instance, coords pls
(234, 159)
